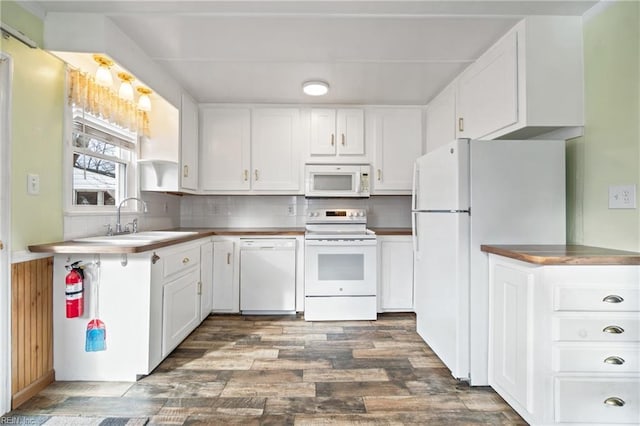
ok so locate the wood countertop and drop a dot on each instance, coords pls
(564, 254)
(391, 231)
(72, 246)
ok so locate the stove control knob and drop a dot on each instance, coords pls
(350, 214)
(361, 214)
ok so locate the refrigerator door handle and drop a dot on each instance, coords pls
(414, 233)
(414, 187)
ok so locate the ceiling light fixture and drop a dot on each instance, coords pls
(144, 102)
(315, 87)
(126, 89)
(103, 73)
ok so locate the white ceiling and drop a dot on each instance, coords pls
(370, 52)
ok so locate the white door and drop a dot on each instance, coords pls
(189, 143)
(398, 143)
(180, 310)
(441, 119)
(488, 91)
(323, 128)
(226, 294)
(442, 293)
(206, 278)
(5, 277)
(509, 331)
(225, 148)
(275, 153)
(350, 131)
(444, 178)
(396, 273)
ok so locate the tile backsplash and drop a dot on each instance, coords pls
(163, 212)
(241, 211)
(238, 211)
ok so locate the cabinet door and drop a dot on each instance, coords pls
(441, 119)
(323, 128)
(275, 149)
(188, 143)
(206, 280)
(510, 314)
(225, 149)
(488, 91)
(398, 142)
(180, 309)
(350, 131)
(226, 293)
(396, 273)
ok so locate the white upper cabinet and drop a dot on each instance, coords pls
(441, 119)
(250, 150)
(527, 84)
(225, 149)
(488, 91)
(275, 153)
(337, 133)
(188, 144)
(397, 136)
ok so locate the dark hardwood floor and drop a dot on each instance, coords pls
(283, 370)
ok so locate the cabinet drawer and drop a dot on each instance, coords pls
(585, 400)
(608, 328)
(597, 299)
(600, 358)
(181, 260)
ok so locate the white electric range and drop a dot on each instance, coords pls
(340, 266)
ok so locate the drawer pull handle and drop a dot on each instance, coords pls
(614, 401)
(613, 329)
(155, 258)
(613, 298)
(614, 360)
(185, 260)
(228, 258)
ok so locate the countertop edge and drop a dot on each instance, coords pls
(73, 247)
(564, 255)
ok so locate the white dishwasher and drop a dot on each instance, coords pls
(268, 276)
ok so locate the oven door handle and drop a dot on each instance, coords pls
(343, 243)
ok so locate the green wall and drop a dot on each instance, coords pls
(609, 151)
(37, 117)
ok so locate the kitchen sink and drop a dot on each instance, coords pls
(139, 238)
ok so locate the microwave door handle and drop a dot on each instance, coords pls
(358, 182)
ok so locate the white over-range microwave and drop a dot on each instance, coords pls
(337, 180)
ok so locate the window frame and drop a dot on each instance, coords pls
(129, 141)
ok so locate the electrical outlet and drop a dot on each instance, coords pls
(622, 196)
(33, 184)
(291, 210)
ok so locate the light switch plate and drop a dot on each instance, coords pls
(622, 196)
(33, 184)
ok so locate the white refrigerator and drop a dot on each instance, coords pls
(465, 194)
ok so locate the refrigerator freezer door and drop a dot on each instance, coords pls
(442, 287)
(442, 178)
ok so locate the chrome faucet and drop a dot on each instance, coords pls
(118, 229)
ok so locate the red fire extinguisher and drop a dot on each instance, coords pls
(74, 290)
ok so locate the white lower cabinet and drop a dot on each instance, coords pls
(226, 284)
(564, 342)
(148, 302)
(180, 309)
(206, 279)
(395, 273)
